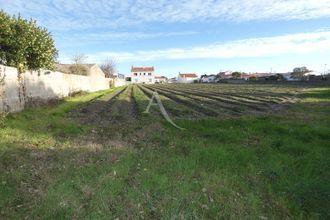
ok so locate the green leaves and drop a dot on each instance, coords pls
(24, 44)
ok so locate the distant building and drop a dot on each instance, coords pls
(172, 80)
(225, 75)
(119, 76)
(187, 78)
(262, 76)
(209, 78)
(311, 75)
(161, 79)
(144, 75)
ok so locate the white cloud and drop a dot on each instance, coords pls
(128, 36)
(302, 43)
(76, 41)
(80, 14)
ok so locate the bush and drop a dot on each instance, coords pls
(253, 78)
(25, 45)
(276, 77)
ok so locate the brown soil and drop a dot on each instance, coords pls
(115, 121)
(232, 103)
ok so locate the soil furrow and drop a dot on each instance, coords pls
(206, 101)
(174, 108)
(237, 96)
(190, 102)
(90, 111)
(234, 103)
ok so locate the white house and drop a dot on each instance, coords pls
(187, 77)
(172, 80)
(144, 75)
(160, 79)
(289, 77)
(306, 76)
(209, 78)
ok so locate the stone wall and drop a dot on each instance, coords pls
(19, 90)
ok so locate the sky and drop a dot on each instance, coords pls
(200, 36)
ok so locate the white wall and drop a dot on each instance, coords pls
(119, 82)
(186, 80)
(208, 79)
(43, 85)
(141, 78)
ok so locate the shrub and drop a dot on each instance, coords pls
(253, 78)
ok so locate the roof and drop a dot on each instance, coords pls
(312, 73)
(188, 75)
(207, 76)
(263, 74)
(160, 77)
(225, 73)
(142, 69)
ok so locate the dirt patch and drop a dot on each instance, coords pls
(221, 102)
(37, 102)
(114, 121)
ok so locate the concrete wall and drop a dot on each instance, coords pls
(19, 91)
(119, 82)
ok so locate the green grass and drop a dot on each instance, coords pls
(41, 124)
(256, 167)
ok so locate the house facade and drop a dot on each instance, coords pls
(160, 79)
(209, 78)
(172, 80)
(187, 78)
(143, 75)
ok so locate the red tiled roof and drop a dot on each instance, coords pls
(188, 75)
(142, 69)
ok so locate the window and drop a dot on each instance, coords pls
(135, 74)
(140, 74)
(150, 80)
(144, 74)
(149, 74)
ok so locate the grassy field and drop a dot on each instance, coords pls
(248, 151)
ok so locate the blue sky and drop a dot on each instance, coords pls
(202, 36)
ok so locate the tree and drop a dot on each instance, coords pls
(78, 68)
(25, 45)
(5, 37)
(109, 67)
(236, 75)
(299, 72)
(276, 77)
(79, 58)
(203, 76)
